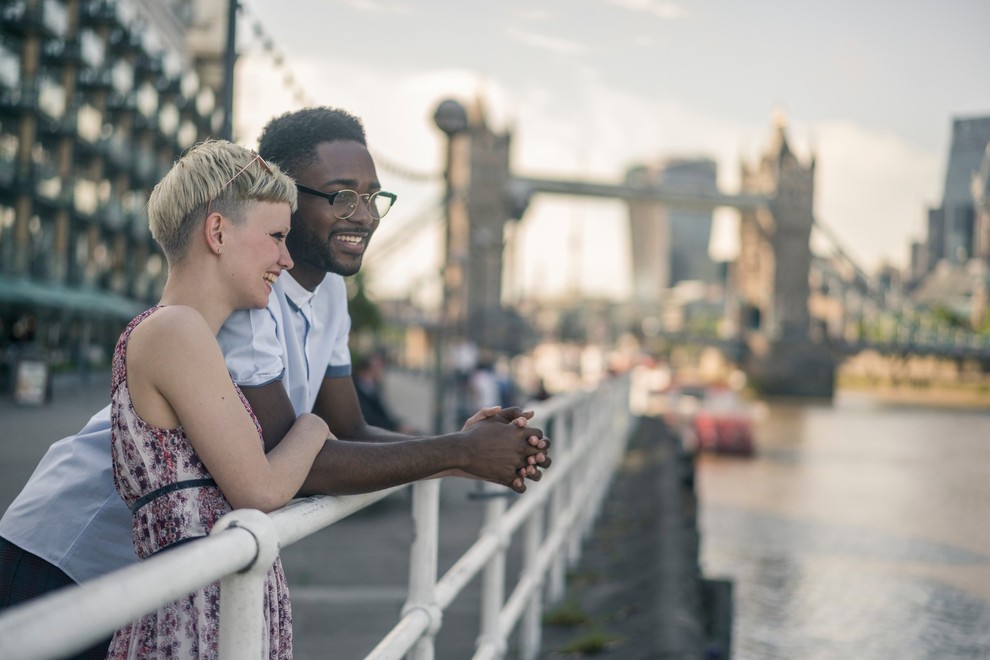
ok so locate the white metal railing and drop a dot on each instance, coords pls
(589, 432)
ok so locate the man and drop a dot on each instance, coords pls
(369, 376)
(340, 205)
(69, 525)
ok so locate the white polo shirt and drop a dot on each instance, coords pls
(300, 338)
(70, 513)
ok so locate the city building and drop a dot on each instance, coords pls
(953, 274)
(936, 240)
(97, 100)
(970, 137)
(981, 202)
(671, 245)
(690, 231)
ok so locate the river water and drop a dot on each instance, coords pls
(859, 530)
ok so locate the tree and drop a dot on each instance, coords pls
(366, 317)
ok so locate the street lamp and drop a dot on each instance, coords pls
(229, 58)
(451, 118)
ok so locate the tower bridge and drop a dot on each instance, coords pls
(782, 348)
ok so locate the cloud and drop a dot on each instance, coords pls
(872, 186)
(661, 9)
(532, 14)
(544, 42)
(372, 6)
(873, 189)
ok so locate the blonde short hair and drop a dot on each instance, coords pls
(218, 175)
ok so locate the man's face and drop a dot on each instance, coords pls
(319, 241)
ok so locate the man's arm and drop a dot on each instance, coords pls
(273, 409)
(489, 450)
(337, 403)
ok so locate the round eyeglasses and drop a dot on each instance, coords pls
(345, 202)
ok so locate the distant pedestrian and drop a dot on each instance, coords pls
(503, 378)
(541, 393)
(369, 384)
(483, 386)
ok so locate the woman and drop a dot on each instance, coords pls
(187, 448)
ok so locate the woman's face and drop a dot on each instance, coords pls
(257, 252)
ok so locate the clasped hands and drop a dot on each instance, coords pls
(532, 459)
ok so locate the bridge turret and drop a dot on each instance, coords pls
(772, 273)
(477, 211)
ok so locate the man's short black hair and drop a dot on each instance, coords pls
(290, 140)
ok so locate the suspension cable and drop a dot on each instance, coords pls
(302, 98)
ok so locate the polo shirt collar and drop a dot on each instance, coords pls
(298, 295)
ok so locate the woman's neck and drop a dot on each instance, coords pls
(184, 288)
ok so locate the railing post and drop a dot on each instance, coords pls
(242, 618)
(530, 636)
(423, 563)
(577, 479)
(556, 585)
(493, 580)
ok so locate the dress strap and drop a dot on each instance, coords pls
(118, 371)
(170, 488)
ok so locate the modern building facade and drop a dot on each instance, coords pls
(690, 231)
(970, 137)
(980, 189)
(670, 246)
(97, 100)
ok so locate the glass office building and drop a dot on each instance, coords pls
(97, 99)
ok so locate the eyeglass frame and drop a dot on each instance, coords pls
(257, 158)
(366, 196)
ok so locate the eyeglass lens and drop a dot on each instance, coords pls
(345, 203)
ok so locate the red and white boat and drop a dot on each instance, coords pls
(711, 418)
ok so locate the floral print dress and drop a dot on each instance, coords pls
(174, 500)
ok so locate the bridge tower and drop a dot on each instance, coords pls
(771, 276)
(477, 178)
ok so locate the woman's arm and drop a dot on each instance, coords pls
(177, 376)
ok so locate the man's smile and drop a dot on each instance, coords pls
(352, 242)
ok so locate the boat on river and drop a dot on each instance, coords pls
(710, 418)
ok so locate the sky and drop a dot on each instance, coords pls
(590, 88)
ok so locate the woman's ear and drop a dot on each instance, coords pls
(214, 227)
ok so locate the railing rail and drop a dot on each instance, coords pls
(589, 432)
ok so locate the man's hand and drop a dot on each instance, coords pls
(494, 425)
(504, 415)
(519, 417)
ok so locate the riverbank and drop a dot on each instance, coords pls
(638, 591)
(958, 396)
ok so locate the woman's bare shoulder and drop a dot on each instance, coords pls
(174, 320)
(173, 328)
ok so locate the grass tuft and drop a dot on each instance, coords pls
(568, 615)
(592, 643)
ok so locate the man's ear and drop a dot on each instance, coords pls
(214, 228)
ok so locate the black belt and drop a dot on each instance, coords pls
(172, 487)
